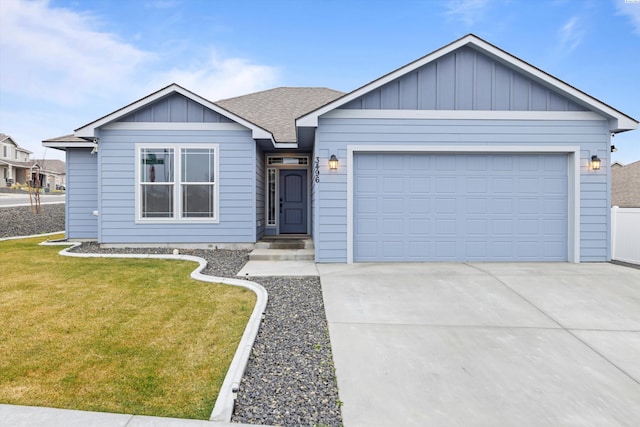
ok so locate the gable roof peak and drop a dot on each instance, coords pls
(89, 129)
(619, 122)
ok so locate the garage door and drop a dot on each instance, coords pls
(460, 207)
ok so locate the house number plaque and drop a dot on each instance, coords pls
(316, 170)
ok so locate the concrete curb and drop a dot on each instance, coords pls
(223, 408)
(2, 239)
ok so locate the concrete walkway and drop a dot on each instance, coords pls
(485, 344)
(278, 268)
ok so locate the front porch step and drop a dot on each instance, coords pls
(283, 243)
(265, 254)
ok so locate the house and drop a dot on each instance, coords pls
(625, 185)
(15, 167)
(466, 154)
(52, 173)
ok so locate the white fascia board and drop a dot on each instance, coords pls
(69, 144)
(463, 115)
(624, 122)
(285, 145)
(89, 129)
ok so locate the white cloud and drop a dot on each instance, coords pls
(63, 57)
(60, 69)
(571, 35)
(219, 78)
(58, 55)
(467, 11)
(632, 11)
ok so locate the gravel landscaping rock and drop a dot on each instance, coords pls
(220, 262)
(290, 377)
(21, 221)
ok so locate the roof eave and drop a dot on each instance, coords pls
(62, 144)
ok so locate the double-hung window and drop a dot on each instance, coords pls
(177, 183)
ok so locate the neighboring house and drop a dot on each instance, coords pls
(15, 167)
(625, 185)
(52, 173)
(466, 154)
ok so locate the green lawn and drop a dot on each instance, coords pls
(115, 335)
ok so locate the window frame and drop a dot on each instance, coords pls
(177, 184)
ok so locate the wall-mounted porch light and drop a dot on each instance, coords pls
(333, 162)
(613, 149)
(595, 163)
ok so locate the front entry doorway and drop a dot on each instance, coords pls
(293, 201)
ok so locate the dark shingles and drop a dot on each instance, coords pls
(277, 109)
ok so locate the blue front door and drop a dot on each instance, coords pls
(293, 201)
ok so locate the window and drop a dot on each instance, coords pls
(287, 160)
(157, 183)
(5, 151)
(177, 183)
(197, 182)
(271, 197)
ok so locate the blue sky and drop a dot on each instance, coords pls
(64, 63)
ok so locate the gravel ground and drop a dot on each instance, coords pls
(20, 221)
(290, 378)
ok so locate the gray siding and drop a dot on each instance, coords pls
(82, 194)
(236, 187)
(260, 193)
(175, 108)
(335, 135)
(464, 80)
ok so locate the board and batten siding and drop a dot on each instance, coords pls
(81, 194)
(236, 186)
(175, 108)
(464, 80)
(335, 135)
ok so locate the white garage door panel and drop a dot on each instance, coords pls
(460, 207)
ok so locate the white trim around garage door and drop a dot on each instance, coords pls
(573, 192)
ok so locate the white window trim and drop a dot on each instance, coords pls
(573, 190)
(177, 184)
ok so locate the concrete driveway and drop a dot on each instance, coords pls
(487, 344)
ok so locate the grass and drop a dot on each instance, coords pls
(114, 335)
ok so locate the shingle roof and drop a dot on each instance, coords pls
(66, 138)
(276, 109)
(625, 186)
(51, 165)
(4, 137)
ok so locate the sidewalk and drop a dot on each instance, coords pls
(11, 200)
(31, 416)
